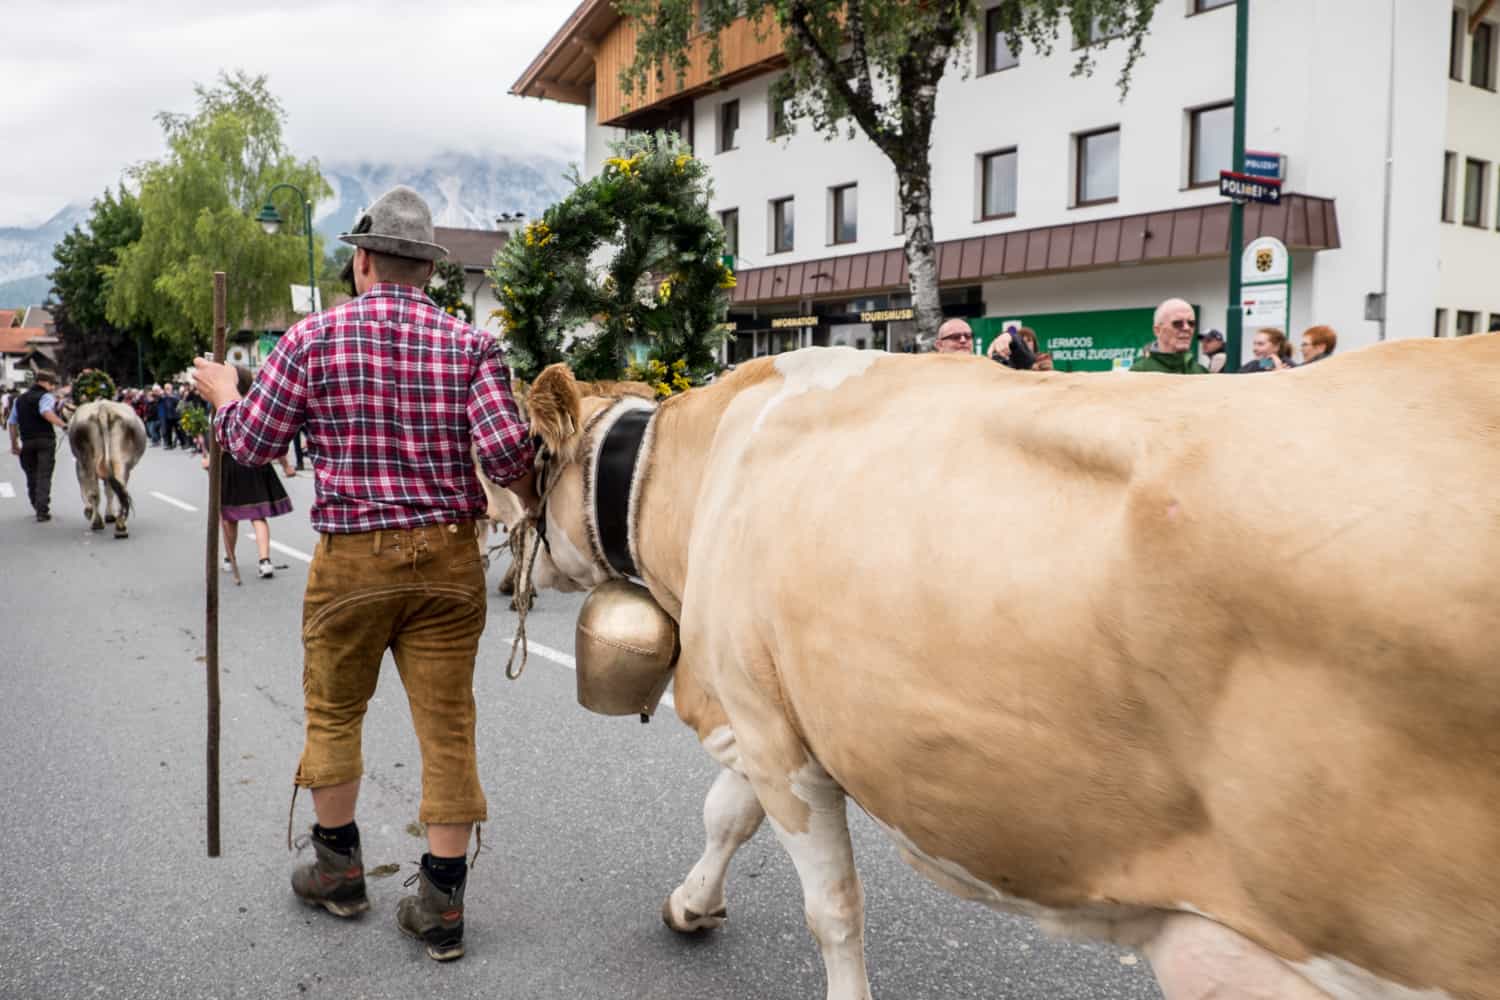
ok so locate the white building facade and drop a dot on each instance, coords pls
(1053, 196)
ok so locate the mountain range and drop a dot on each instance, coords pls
(465, 190)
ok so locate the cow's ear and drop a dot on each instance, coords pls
(553, 403)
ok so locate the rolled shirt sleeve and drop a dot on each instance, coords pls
(500, 438)
(256, 430)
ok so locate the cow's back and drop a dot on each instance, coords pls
(1142, 640)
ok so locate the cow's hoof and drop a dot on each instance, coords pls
(96, 525)
(507, 587)
(686, 921)
(121, 532)
(109, 519)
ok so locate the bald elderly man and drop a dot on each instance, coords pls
(955, 336)
(1172, 353)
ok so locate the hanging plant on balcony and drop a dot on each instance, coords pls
(664, 284)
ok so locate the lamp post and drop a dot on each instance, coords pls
(270, 221)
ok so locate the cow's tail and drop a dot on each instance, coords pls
(112, 464)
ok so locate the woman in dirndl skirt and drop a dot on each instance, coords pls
(249, 494)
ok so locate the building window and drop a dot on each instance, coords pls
(783, 225)
(730, 220)
(844, 202)
(781, 117)
(1482, 57)
(1098, 33)
(997, 53)
(1199, 6)
(1449, 159)
(1467, 322)
(997, 184)
(1211, 146)
(1476, 178)
(729, 126)
(1097, 177)
(1440, 323)
(1456, 32)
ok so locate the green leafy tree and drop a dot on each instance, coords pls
(874, 66)
(198, 208)
(80, 291)
(446, 288)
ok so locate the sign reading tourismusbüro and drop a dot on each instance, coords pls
(1249, 188)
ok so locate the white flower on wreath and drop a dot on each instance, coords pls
(645, 292)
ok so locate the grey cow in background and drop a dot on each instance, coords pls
(108, 439)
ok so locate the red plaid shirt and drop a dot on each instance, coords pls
(393, 391)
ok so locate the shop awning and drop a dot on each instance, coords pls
(1302, 222)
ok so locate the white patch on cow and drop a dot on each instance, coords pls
(831, 893)
(816, 368)
(1124, 925)
(723, 748)
(1342, 980)
(572, 565)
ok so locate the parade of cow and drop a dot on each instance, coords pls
(1076, 686)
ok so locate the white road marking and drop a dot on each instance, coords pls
(562, 659)
(174, 502)
(7, 491)
(289, 551)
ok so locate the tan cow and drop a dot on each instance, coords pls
(107, 439)
(1206, 666)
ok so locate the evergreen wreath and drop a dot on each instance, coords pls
(91, 385)
(666, 284)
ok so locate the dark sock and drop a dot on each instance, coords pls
(341, 838)
(446, 873)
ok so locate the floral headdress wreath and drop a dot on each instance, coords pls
(665, 285)
(92, 384)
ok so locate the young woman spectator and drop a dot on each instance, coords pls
(1273, 352)
(249, 494)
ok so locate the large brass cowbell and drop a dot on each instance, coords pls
(626, 647)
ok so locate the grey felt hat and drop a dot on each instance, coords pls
(399, 224)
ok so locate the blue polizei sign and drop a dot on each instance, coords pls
(1259, 164)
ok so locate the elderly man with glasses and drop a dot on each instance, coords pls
(1172, 352)
(954, 337)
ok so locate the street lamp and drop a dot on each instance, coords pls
(270, 221)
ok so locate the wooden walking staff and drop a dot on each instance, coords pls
(211, 632)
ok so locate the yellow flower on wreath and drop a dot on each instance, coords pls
(538, 234)
(664, 291)
(680, 164)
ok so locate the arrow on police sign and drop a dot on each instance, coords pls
(1244, 187)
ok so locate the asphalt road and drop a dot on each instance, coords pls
(109, 892)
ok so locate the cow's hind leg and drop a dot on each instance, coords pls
(88, 486)
(731, 815)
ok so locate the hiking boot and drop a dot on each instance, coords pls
(334, 881)
(435, 917)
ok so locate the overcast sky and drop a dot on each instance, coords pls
(377, 80)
